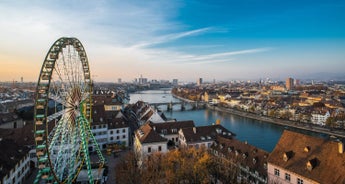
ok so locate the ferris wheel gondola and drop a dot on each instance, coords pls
(63, 113)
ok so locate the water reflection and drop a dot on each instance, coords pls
(258, 133)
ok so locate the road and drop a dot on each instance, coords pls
(309, 127)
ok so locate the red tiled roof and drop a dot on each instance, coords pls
(329, 166)
(205, 132)
(247, 155)
(117, 123)
(169, 127)
(147, 135)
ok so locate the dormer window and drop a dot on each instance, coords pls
(244, 155)
(254, 160)
(311, 164)
(287, 156)
(306, 149)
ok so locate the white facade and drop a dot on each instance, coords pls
(18, 123)
(204, 141)
(119, 136)
(320, 119)
(142, 150)
(105, 136)
(282, 176)
(100, 132)
(19, 173)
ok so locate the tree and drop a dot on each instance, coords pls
(127, 170)
(330, 122)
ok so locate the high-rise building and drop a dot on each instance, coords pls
(297, 82)
(142, 80)
(199, 82)
(119, 80)
(289, 83)
(174, 82)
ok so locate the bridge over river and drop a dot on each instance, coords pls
(194, 104)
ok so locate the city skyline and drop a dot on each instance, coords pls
(185, 40)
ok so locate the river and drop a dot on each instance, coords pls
(260, 134)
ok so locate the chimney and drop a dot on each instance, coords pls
(194, 130)
(340, 147)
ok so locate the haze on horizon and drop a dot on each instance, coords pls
(186, 40)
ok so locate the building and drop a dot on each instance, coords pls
(289, 83)
(10, 120)
(142, 113)
(14, 162)
(169, 130)
(112, 101)
(148, 141)
(175, 82)
(109, 127)
(119, 81)
(249, 160)
(320, 118)
(199, 81)
(302, 159)
(202, 135)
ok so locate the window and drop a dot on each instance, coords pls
(287, 177)
(117, 131)
(111, 132)
(299, 181)
(123, 130)
(159, 148)
(111, 138)
(117, 137)
(149, 149)
(124, 137)
(276, 172)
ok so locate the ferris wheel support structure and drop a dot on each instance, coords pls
(63, 114)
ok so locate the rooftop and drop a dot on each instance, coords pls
(314, 158)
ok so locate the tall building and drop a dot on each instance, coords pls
(142, 80)
(175, 82)
(297, 82)
(289, 83)
(119, 80)
(199, 82)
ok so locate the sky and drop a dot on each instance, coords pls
(178, 39)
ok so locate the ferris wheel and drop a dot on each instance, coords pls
(63, 114)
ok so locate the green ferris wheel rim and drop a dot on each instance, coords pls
(62, 113)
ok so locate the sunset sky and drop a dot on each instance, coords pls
(222, 40)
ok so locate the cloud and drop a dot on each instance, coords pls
(121, 38)
(172, 37)
(173, 57)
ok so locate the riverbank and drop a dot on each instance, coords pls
(281, 122)
(182, 99)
